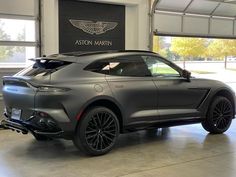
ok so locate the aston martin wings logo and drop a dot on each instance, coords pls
(94, 28)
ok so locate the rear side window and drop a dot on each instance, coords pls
(123, 66)
(43, 68)
(101, 66)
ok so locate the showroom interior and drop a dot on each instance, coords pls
(40, 28)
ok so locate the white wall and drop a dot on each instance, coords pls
(50, 42)
(18, 7)
(137, 27)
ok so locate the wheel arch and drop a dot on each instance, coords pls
(107, 102)
(225, 93)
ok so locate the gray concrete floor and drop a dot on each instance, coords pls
(184, 151)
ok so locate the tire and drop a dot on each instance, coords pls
(97, 131)
(219, 116)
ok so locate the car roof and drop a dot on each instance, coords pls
(88, 57)
(84, 53)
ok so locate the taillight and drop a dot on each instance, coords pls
(51, 89)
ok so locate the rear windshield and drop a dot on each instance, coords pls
(43, 68)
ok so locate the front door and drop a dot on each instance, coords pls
(176, 97)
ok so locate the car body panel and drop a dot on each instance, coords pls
(139, 99)
(178, 97)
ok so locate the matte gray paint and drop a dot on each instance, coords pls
(141, 100)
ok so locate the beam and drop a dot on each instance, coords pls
(193, 14)
(19, 17)
(151, 19)
(186, 8)
(213, 11)
(18, 43)
(161, 33)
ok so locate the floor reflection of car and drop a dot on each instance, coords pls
(91, 98)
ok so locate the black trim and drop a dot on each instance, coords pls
(205, 96)
(24, 128)
(50, 134)
(14, 126)
(85, 53)
(162, 123)
(40, 27)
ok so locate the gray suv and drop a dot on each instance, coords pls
(91, 98)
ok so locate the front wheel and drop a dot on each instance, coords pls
(97, 131)
(219, 116)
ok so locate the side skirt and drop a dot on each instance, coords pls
(161, 124)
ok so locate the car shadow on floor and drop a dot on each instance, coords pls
(142, 137)
(63, 149)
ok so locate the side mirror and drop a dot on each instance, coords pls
(186, 74)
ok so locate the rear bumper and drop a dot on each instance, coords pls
(14, 126)
(32, 126)
(26, 128)
(53, 123)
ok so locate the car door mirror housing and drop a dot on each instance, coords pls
(186, 74)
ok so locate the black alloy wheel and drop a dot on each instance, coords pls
(97, 132)
(219, 116)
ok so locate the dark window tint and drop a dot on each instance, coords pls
(43, 68)
(123, 66)
(101, 66)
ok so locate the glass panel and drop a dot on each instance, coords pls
(204, 57)
(159, 68)
(129, 66)
(17, 30)
(102, 67)
(209, 58)
(43, 68)
(16, 55)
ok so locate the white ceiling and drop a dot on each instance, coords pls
(223, 8)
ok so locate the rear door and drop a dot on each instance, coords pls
(131, 84)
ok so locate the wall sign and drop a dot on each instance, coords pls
(87, 26)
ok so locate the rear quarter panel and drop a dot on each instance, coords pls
(85, 87)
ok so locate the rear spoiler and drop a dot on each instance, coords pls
(65, 58)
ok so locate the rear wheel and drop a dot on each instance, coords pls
(97, 131)
(219, 116)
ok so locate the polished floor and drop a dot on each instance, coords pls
(184, 151)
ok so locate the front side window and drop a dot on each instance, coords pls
(158, 67)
